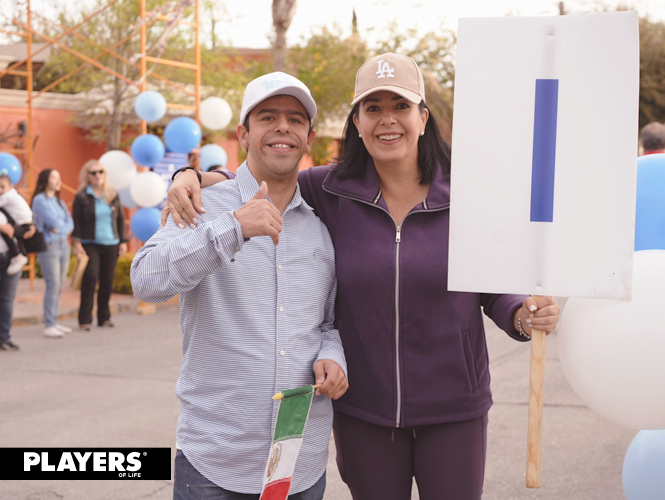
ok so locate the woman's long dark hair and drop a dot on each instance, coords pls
(433, 151)
(42, 184)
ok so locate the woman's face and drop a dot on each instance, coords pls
(54, 182)
(390, 127)
(96, 176)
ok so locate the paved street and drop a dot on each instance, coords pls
(115, 388)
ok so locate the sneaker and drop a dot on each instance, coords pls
(106, 323)
(16, 264)
(8, 346)
(85, 327)
(64, 329)
(53, 332)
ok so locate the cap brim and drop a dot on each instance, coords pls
(405, 93)
(305, 99)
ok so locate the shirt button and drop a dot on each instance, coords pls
(279, 267)
(282, 353)
(281, 309)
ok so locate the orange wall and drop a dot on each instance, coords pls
(60, 145)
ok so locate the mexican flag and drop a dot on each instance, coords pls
(287, 438)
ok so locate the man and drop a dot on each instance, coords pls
(652, 138)
(257, 287)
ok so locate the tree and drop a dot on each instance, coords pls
(282, 15)
(109, 109)
(652, 71)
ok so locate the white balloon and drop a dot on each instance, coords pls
(120, 168)
(613, 352)
(126, 198)
(215, 113)
(148, 189)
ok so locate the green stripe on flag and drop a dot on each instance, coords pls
(293, 412)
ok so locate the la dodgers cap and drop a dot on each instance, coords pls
(392, 72)
(273, 84)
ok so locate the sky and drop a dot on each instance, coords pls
(248, 23)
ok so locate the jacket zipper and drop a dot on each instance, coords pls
(398, 240)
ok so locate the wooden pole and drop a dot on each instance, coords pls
(535, 427)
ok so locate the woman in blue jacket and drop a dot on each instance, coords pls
(419, 384)
(52, 217)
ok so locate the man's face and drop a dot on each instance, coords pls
(5, 184)
(278, 137)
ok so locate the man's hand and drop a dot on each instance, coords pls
(178, 203)
(259, 217)
(331, 376)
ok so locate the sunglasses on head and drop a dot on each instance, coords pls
(96, 172)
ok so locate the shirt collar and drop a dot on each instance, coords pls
(90, 191)
(366, 188)
(249, 187)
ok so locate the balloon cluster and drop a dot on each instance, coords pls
(612, 351)
(146, 190)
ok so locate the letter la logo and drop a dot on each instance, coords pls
(384, 69)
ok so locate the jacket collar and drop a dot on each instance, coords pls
(366, 188)
(249, 187)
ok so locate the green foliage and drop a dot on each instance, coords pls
(652, 71)
(121, 281)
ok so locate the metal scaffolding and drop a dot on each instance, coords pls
(147, 19)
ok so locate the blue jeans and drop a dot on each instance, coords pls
(8, 286)
(190, 484)
(54, 262)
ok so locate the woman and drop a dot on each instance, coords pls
(419, 391)
(53, 219)
(8, 286)
(99, 233)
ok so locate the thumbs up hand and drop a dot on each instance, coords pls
(259, 217)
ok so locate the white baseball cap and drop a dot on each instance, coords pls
(273, 84)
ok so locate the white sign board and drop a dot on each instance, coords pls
(544, 153)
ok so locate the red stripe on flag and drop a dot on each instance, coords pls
(277, 490)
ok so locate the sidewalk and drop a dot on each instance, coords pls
(29, 309)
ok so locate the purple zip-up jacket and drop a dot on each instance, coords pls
(416, 353)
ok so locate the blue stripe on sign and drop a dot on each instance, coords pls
(544, 151)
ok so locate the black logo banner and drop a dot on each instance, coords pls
(85, 463)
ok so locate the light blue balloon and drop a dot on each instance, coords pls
(126, 199)
(145, 223)
(10, 166)
(644, 467)
(148, 150)
(150, 106)
(182, 134)
(212, 154)
(650, 208)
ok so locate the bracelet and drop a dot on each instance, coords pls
(521, 330)
(198, 174)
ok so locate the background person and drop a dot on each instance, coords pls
(53, 219)
(652, 138)
(419, 393)
(99, 232)
(18, 212)
(8, 286)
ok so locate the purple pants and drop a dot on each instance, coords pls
(447, 460)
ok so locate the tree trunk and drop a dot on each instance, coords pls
(282, 15)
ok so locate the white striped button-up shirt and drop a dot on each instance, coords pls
(255, 317)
